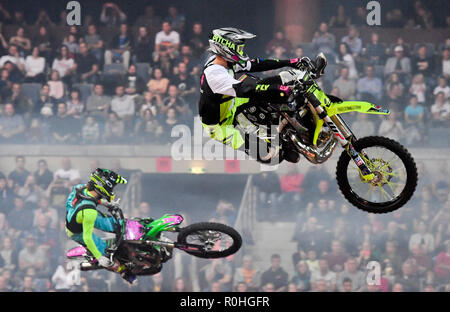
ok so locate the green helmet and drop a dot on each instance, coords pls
(229, 43)
(103, 182)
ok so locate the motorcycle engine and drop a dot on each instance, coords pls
(261, 115)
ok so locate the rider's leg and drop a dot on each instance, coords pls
(232, 137)
(101, 245)
(105, 224)
(226, 133)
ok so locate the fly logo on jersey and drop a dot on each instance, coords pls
(262, 87)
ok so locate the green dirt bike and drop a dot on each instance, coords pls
(376, 174)
(141, 247)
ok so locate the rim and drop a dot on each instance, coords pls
(211, 240)
(390, 172)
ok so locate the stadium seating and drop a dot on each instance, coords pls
(143, 70)
(113, 69)
(85, 90)
(32, 90)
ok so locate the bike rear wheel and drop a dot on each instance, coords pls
(394, 168)
(218, 240)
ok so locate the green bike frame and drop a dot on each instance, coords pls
(165, 223)
(328, 112)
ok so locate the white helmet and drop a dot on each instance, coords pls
(229, 43)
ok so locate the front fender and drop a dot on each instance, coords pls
(355, 106)
(165, 223)
(346, 107)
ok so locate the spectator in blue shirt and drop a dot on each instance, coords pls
(369, 84)
(414, 121)
(414, 111)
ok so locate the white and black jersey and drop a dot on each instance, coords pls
(219, 85)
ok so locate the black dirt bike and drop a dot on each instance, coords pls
(376, 174)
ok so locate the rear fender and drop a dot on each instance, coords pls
(76, 252)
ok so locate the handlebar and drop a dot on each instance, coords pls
(307, 64)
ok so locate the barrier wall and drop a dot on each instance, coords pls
(156, 159)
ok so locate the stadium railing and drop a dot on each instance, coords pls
(246, 218)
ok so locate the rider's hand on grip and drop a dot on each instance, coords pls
(113, 205)
(301, 63)
(306, 64)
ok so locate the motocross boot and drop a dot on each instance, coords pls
(128, 276)
(165, 252)
(110, 250)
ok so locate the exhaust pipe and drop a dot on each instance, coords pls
(311, 153)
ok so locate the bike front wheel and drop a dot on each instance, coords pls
(217, 240)
(394, 169)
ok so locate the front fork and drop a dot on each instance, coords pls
(343, 134)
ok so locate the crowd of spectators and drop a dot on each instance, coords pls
(335, 241)
(130, 88)
(135, 85)
(408, 79)
(400, 14)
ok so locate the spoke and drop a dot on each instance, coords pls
(385, 193)
(395, 183)
(390, 185)
(370, 191)
(395, 171)
(385, 166)
(206, 235)
(392, 159)
(393, 187)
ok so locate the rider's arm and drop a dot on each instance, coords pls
(261, 64)
(89, 216)
(221, 82)
(270, 88)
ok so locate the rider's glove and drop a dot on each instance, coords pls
(114, 204)
(295, 62)
(105, 262)
(302, 63)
